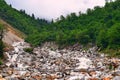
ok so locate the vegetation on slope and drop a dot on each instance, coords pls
(13, 30)
(100, 26)
(20, 20)
(1, 43)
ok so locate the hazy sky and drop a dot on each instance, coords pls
(54, 8)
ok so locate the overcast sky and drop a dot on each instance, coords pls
(49, 9)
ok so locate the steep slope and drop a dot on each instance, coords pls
(19, 19)
(99, 26)
(11, 34)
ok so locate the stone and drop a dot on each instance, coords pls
(82, 70)
(116, 78)
(6, 55)
(57, 62)
(37, 77)
(8, 64)
(116, 73)
(106, 78)
(92, 73)
(5, 74)
(93, 79)
(84, 63)
(1, 78)
(69, 63)
(9, 72)
(51, 77)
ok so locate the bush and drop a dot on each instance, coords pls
(29, 50)
(1, 62)
(1, 49)
(117, 54)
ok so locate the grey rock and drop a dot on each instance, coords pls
(67, 63)
(116, 78)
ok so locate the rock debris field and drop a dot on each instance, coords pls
(46, 63)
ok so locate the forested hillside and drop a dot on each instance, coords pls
(19, 19)
(100, 26)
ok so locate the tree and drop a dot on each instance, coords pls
(33, 16)
(80, 13)
(1, 32)
(110, 0)
(62, 17)
(1, 37)
(89, 11)
(10, 5)
(52, 21)
(106, 1)
(23, 11)
(114, 36)
(102, 40)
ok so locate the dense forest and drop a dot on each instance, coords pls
(99, 26)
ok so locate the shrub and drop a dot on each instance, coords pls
(29, 50)
(1, 62)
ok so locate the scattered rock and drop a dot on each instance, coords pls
(1, 78)
(37, 77)
(93, 79)
(51, 63)
(92, 73)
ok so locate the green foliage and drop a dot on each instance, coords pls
(114, 36)
(1, 42)
(29, 50)
(110, 66)
(20, 20)
(98, 26)
(102, 40)
(117, 54)
(1, 62)
(1, 48)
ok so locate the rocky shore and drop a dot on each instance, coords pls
(46, 63)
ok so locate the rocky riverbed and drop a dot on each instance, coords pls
(46, 63)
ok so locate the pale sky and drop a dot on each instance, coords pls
(49, 9)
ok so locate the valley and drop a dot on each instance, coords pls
(84, 46)
(45, 63)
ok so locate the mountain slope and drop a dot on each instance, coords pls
(11, 34)
(99, 26)
(19, 19)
